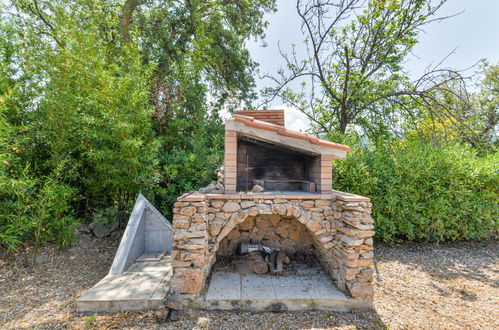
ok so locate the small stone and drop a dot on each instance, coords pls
(314, 226)
(230, 207)
(264, 209)
(257, 189)
(262, 222)
(175, 304)
(180, 264)
(317, 216)
(294, 235)
(85, 243)
(161, 314)
(280, 209)
(42, 258)
(368, 255)
(175, 315)
(102, 230)
(307, 204)
(274, 219)
(182, 224)
(190, 280)
(191, 246)
(217, 203)
(233, 234)
(215, 228)
(361, 289)
(359, 263)
(305, 217)
(246, 204)
(283, 232)
(247, 224)
(202, 323)
(188, 210)
(271, 237)
(326, 238)
(350, 241)
(322, 202)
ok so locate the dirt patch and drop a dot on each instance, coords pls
(452, 285)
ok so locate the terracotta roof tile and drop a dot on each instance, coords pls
(252, 122)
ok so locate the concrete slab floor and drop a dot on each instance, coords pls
(309, 289)
(142, 287)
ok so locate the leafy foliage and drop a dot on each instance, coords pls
(104, 99)
(422, 191)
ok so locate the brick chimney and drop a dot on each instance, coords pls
(270, 116)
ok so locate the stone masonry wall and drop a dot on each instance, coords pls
(274, 231)
(339, 225)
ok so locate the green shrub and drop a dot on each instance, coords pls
(421, 191)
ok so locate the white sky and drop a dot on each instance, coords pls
(474, 34)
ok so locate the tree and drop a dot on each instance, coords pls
(353, 76)
(118, 97)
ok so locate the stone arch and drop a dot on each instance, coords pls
(301, 214)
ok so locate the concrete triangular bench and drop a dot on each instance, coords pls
(140, 275)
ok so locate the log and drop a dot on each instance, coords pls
(278, 261)
(258, 264)
(271, 262)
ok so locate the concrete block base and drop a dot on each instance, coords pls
(142, 287)
(302, 292)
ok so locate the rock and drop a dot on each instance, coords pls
(351, 241)
(42, 258)
(246, 204)
(294, 235)
(202, 323)
(175, 315)
(233, 234)
(359, 263)
(280, 208)
(174, 303)
(161, 314)
(188, 210)
(326, 238)
(361, 289)
(191, 280)
(264, 209)
(257, 189)
(282, 231)
(247, 224)
(101, 230)
(180, 264)
(322, 202)
(84, 229)
(230, 207)
(182, 224)
(215, 228)
(72, 250)
(85, 243)
(314, 226)
(217, 204)
(262, 222)
(307, 204)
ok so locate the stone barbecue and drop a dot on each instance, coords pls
(275, 188)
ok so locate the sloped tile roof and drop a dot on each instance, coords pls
(281, 130)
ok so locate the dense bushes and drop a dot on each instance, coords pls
(429, 192)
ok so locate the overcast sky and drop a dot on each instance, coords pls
(474, 34)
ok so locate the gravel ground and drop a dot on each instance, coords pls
(452, 285)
